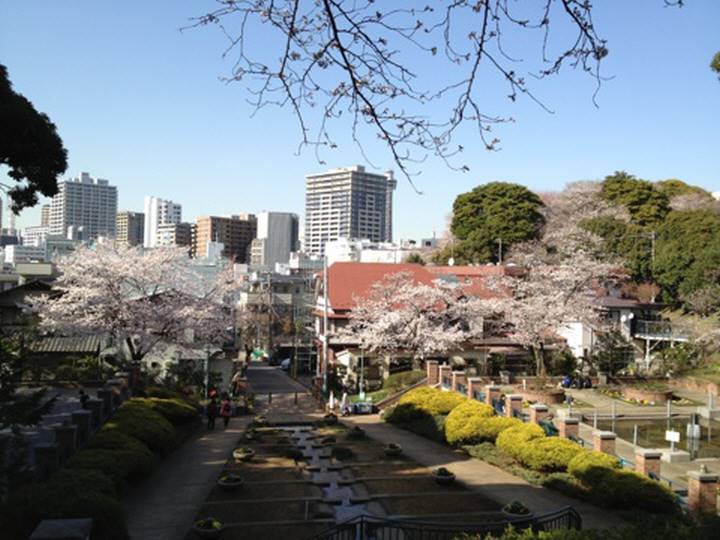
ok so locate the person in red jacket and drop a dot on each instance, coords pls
(225, 409)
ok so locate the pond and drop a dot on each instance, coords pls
(651, 434)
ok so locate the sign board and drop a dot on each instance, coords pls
(672, 436)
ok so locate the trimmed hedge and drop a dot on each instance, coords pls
(143, 459)
(398, 381)
(513, 439)
(460, 425)
(433, 401)
(80, 479)
(590, 467)
(143, 423)
(548, 453)
(175, 410)
(117, 465)
(481, 429)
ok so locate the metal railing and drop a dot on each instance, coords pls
(659, 330)
(375, 528)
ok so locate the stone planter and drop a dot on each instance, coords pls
(242, 454)
(548, 396)
(392, 450)
(356, 434)
(206, 531)
(511, 516)
(657, 397)
(231, 483)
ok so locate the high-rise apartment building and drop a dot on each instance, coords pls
(90, 203)
(350, 203)
(159, 212)
(277, 236)
(235, 232)
(130, 228)
(45, 215)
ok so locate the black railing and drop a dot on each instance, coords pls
(374, 528)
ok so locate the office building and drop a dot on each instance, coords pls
(173, 235)
(45, 215)
(35, 236)
(277, 237)
(19, 254)
(236, 233)
(347, 203)
(158, 212)
(87, 203)
(130, 228)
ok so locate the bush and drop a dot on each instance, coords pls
(430, 427)
(398, 381)
(548, 453)
(76, 480)
(433, 400)
(591, 467)
(620, 488)
(176, 410)
(143, 459)
(481, 429)
(513, 439)
(402, 413)
(144, 424)
(117, 465)
(459, 425)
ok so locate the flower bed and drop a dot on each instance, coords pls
(653, 396)
(549, 395)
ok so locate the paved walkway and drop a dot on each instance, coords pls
(164, 506)
(479, 476)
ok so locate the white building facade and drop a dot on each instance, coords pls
(87, 202)
(347, 202)
(159, 212)
(277, 237)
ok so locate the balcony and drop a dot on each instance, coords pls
(659, 331)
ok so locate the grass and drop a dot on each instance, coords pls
(375, 396)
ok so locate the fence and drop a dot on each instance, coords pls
(374, 528)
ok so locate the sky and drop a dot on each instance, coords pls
(140, 103)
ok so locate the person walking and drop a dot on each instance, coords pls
(225, 410)
(83, 399)
(212, 411)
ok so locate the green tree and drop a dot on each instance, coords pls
(29, 146)
(674, 187)
(415, 258)
(687, 253)
(647, 206)
(492, 212)
(715, 63)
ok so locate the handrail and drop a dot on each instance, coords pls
(366, 526)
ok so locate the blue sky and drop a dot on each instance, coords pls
(140, 103)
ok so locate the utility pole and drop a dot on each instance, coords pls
(325, 324)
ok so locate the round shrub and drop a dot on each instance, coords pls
(175, 410)
(548, 453)
(144, 424)
(620, 488)
(481, 429)
(76, 480)
(117, 465)
(143, 459)
(513, 439)
(459, 424)
(402, 413)
(591, 467)
(433, 400)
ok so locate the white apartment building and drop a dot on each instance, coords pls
(347, 203)
(90, 203)
(159, 212)
(35, 235)
(277, 237)
(351, 250)
(22, 254)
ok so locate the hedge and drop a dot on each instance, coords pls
(459, 426)
(143, 423)
(433, 400)
(513, 439)
(175, 410)
(409, 417)
(481, 429)
(70, 494)
(117, 465)
(548, 453)
(589, 467)
(143, 459)
(398, 381)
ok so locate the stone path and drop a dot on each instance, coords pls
(493, 483)
(163, 507)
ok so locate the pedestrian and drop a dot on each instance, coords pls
(212, 411)
(83, 399)
(225, 410)
(236, 382)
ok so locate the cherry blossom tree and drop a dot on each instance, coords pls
(547, 297)
(403, 316)
(142, 298)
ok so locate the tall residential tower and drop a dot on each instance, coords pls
(350, 203)
(130, 227)
(277, 237)
(159, 212)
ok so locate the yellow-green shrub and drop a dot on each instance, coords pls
(145, 424)
(548, 453)
(479, 429)
(590, 467)
(175, 410)
(457, 425)
(433, 400)
(512, 439)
